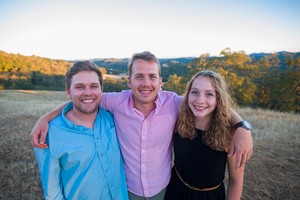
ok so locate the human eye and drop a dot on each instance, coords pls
(153, 76)
(138, 76)
(95, 86)
(194, 92)
(210, 94)
(78, 86)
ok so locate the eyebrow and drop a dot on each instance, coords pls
(151, 74)
(193, 88)
(95, 83)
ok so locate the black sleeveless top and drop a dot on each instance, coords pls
(198, 164)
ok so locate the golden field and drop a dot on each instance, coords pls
(273, 172)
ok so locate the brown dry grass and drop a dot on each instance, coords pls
(18, 168)
(272, 173)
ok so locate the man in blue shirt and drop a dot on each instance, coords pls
(83, 160)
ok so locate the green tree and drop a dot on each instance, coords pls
(173, 84)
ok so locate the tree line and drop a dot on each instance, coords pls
(270, 81)
(36, 73)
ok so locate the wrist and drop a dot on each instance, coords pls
(243, 124)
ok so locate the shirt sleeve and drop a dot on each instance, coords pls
(110, 100)
(50, 174)
(177, 102)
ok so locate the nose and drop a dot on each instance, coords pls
(145, 81)
(200, 98)
(87, 91)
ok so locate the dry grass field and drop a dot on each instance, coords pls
(272, 173)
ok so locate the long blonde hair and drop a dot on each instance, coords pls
(218, 135)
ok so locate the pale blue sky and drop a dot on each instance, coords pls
(74, 29)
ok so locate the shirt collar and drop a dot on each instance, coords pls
(67, 108)
(157, 101)
(70, 124)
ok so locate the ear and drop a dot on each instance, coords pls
(128, 82)
(68, 93)
(160, 81)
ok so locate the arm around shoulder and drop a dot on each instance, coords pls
(40, 129)
(242, 142)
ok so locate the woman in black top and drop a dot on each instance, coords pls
(201, 142)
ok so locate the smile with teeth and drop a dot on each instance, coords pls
(88, 101)
(145, 91)
(199, 107)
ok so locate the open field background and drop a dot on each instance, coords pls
(272, 173)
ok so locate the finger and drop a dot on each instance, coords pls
(243, 160)
(42, 138)
(41, 146)
(34, 140)
(238, 159)
(35, 143)
(249, 155)
(231, 150)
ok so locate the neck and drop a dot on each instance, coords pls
(202, 123)
(145, 108)
(82, 119)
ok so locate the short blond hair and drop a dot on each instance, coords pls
(145, 55)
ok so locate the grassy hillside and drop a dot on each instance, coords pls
(272, 173)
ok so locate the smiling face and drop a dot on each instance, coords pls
(145, 82)
(202, 99)
(85, 92)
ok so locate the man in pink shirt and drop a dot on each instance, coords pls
(145, 117)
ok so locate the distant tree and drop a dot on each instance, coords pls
(112, 85)
(297, 61)
(173, 83)
(102, 70)
(262, 80)
(288, 60)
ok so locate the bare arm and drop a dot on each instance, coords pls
(241, 144)
(235, 181)
(40, 129)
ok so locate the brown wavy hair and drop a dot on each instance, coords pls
(218, 135)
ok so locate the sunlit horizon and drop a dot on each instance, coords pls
(92, 29)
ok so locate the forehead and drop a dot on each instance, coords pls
(140, 66)
(202, 82)
(85, 77)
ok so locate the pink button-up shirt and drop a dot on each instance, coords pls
(146, 143)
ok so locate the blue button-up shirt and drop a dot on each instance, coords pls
(82, 163)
